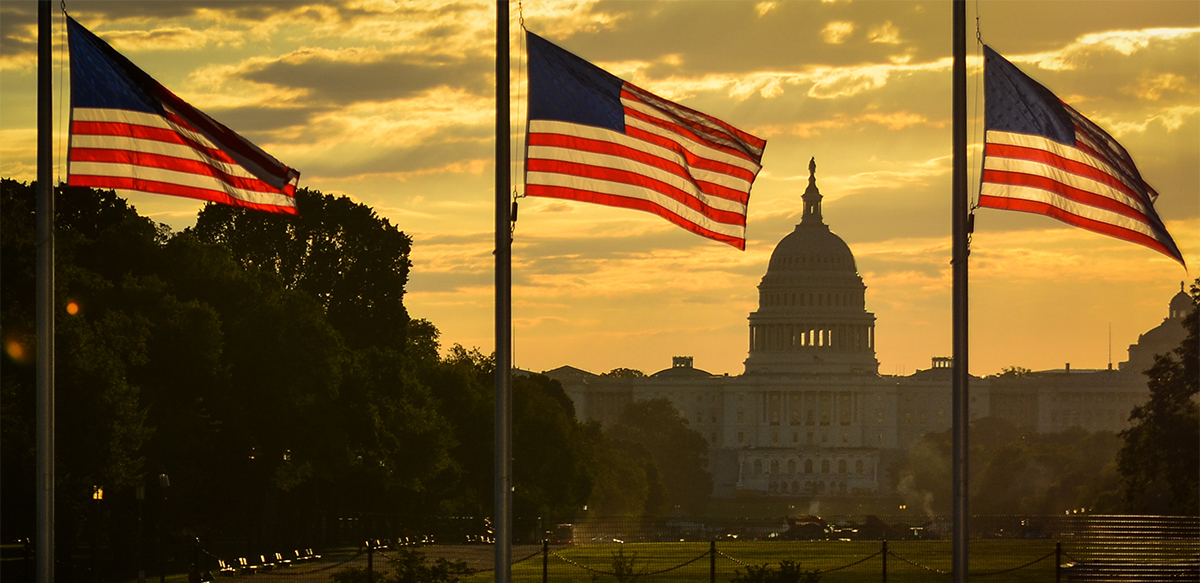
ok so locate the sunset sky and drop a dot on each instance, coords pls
(392, 104)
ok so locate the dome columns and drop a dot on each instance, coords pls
(793, 337)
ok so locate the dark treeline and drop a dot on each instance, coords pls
(1151, 467)
(1014, 471)
(267, 366)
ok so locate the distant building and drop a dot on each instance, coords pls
(812, 416)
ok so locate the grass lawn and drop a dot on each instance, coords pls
(588, 563)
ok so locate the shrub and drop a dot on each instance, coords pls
(788, 572)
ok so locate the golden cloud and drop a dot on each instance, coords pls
(1124, 42)
(1153, 88)
(836, 32)
(762, 8)
(1171, 118)
(171, 38)
(893, 121)
(885, 33)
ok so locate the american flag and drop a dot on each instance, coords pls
(131, 134)
(1041, 156)
(599, 139)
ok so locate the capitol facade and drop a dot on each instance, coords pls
(811, 417)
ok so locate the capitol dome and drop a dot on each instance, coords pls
(1180, 305)
(811, 315)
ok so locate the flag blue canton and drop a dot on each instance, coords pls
(103, 78)
(1019, 104)
(564, 87)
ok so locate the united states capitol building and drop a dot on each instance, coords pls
(812, 416)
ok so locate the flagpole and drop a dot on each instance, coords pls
(503, 423)
(960, 226)
(44, 544)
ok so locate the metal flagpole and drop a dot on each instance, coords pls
(503, 427)
(45, 302)
(961, 228)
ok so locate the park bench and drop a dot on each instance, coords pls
(311, 555)
(282, 562)
(264, 564)
(245, 567)
(226, 567)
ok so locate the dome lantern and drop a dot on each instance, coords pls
(812, 196)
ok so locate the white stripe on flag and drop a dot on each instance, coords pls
(1057, 148)
(124, 143)
(595, 133)
(1035, 168)
(180, 178)
(622, 163)
(141, 119)
(729, 138)
(635, 192)
(699, 149)
(1070, 206)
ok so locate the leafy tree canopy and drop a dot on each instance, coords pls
(1012, 471)
(680, 454)
(341, 253)
(1159, 461)
(627, 373)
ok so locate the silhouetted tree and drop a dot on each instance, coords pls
(341, 253)
(548, 468)
(1160, 460)
(627, 373)
(618, 473)
(680, 454)
(1012, 471)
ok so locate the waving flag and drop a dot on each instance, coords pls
(131, 134)
(1042, 156)
(598, 139)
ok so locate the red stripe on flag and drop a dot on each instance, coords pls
(97, 128)
(687, 132)
(168, 163)
(692, 159)
(630, 203)
(1042, 208)
(1066, 164)
(157, 187)
(636, 179)
(733, 133)
(614, 149)
(226, 138)
(1065, 190)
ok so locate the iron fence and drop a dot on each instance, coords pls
(652, 550)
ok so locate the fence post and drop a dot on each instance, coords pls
(370, 562)
(1057, 561)
(712, 561)
(195, 572)
(883, 553)
(545, 560)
